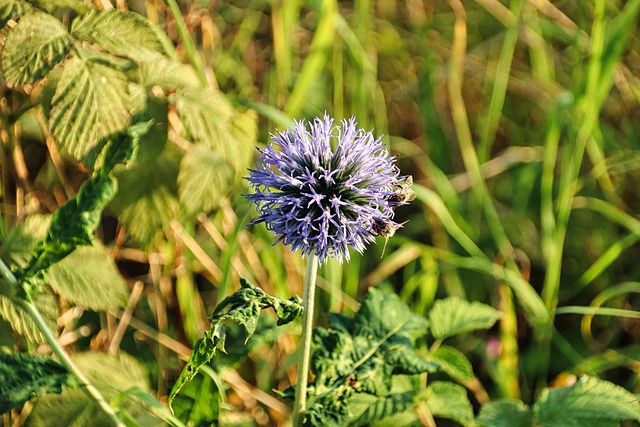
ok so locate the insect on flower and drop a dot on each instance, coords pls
(323, 188)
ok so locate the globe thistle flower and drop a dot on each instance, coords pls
(326, 187)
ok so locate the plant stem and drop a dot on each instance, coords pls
(50, 339)
(305, 340)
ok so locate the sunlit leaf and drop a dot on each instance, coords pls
(90, 103)
(244, 307)
(122, 33)
(20, 241)
(204, 178)
(453, 362)
(89, 277)
(378, 408)
(33, 48)
(449, 400)
(25, 376)
(588, 403)
(11, 9)
(22, 322)
(453, 316)
(505, 413)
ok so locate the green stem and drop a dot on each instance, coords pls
(50, 339)
(189, 45)
(305, 340)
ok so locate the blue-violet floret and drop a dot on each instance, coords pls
(325, 187)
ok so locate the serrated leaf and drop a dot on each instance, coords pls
(204, 178)
(89, 277)
(25, 376)
(362, 356)
(90, 103)
(122, 33)
(50, 6)
(454, 363)
(505, 413)
(198, 403)
(148, 197)
(244, 307)
(33, 48)
(111, 375)
(21, 321)
(169, 75)
(590, 402)
(20, 241)
(453, 316)
(377, 408)
(11, 9)
(449, 400)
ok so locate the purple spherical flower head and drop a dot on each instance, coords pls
(324, 188)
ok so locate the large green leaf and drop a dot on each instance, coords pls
(449, 400)
(111, 375)
(590, 402)
(453, 316)
(243, 307)
(198, 403)
(204, 178)
(89, 277)
(122, 33)
(22, 322)
(505, 413)
(90, 103)
(11, 9)
(378, 408)
(24, 376)
(148, 197)
(33, 48)
(362, 355)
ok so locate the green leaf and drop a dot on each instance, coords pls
(153, 142)
(590, 402)
(50, 6)
(33, 48)
(454, 363)
(362, 356)
(198, 403)
(20, 241)
(204, 178)
(168, 75)
(11, 9)
(244, 130)
(111, 375)
(243, 307)
(378, 408)
(148, 199)
(122, 33)
(21, 321)
(449, 400)
(89, 277)
(25, 376)
(506, 413)
(90, 104)
(453, 316)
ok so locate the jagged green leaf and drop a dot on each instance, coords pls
(89, 277)
(454, 363)
(79, 6)
(20, 240)
(243, 307)
(378, 408)
(122, 33)
(148, 199)
(21, 321)
(25, 376)
(90, 104)
(33, 48)
(362, 356)
(204, 178)
(111, 375)
(167, 74)
(505, 413)
(448, 400)
(11, 9)
(453, 316)
(590, 402)
(198, 403)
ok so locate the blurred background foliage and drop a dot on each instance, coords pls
(517, 119)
